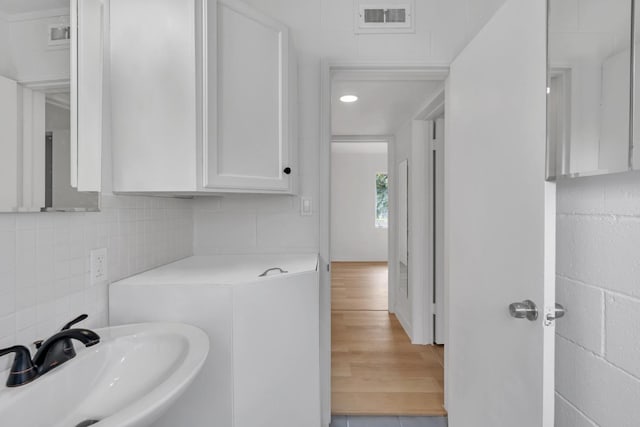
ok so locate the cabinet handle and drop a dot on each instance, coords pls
(273, 269)
(287, 170)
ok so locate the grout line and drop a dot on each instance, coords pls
(599, 215)
(601, 358)
(599, 288)
(575, 408)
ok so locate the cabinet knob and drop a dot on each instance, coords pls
(287, 170)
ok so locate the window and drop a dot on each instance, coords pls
(382, 201)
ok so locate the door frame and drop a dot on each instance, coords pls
(431, 111)
(364, 71)
(389, 140)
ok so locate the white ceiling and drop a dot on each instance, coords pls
(12, 7)
(382, 106)
(359, 147)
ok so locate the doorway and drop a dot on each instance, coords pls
(383, 361)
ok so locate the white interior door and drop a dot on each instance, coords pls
(500, 225)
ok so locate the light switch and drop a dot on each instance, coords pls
(306, 206)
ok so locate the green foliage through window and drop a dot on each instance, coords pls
(382, 200)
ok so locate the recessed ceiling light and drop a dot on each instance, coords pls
(348, 98)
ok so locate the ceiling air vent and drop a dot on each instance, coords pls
(384, 18)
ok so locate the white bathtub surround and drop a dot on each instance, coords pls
(44, 260)
(263, 368)
(598, 266)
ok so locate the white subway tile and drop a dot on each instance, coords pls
(585, 314)
(623, 333)
(7, 303)
(44, 279)
(256, 202)
(601, 391)
(7, 250)
(622, 194)
(45, 222)
(7, 326)
(287, 231)
(26, 317)
(568, 416)
(585, 195)
(28, 336)
(601, 251)
(7, 222)
(225, 231)
(7, 281)
(27, 221)
(26, 297)
(5, 362)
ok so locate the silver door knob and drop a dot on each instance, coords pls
(552, 314)
(524, 310)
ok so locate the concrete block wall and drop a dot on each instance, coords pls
(44, 260)
(598, 281)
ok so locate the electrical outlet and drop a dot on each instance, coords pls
(98, 265)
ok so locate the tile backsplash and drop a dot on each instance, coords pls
(45, 260)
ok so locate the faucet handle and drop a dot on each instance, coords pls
(74, 321)
(22, 371)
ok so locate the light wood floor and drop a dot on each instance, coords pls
(375, 368)
(359, 286)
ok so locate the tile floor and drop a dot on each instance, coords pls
(363, 421)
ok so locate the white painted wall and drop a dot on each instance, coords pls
(410, 286)
(598, 342)
(354, 236)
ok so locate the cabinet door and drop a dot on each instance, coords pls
(154, 94)
(247, 144)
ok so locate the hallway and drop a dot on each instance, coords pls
(375, 368)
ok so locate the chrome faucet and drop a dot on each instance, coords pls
(51, 353)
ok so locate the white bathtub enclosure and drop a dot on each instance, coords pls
(263, 366)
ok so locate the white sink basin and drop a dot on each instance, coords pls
(128, 379)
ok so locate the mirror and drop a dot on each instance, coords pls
(589, 87)
(39, 150)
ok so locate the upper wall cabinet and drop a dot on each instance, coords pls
(589, 90)
(203, 98)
